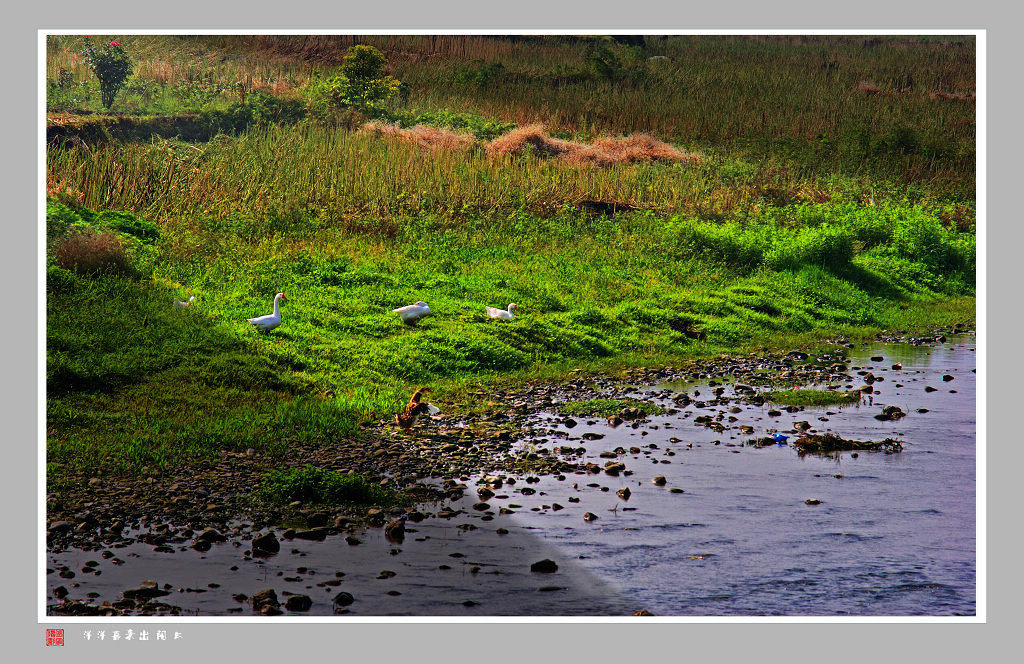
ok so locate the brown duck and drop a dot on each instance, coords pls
(414, 409)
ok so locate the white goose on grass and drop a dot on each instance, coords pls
(411, 314)
(503, 314)
(178, 304)
(270, 321)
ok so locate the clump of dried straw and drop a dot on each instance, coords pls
(600, 152)
(91, 253)
(425, 136)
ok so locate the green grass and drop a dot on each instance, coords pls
(816, 211)
(317, 486)
(607, 407)
(798, 397)
(134, 383)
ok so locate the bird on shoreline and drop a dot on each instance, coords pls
(270, 321)
(416, 407)
(178, 304)
(411, 314)
(503, 314)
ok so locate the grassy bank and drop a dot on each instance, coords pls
(630, 264)
(134, 382)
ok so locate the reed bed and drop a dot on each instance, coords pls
(277, 169)
(811, 100)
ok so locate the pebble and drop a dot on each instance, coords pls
(546, 566)
(343, 599)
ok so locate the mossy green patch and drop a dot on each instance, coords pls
(812, 397)
(608, 407)
(318, 486)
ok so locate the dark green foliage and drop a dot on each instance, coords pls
(825, 246)
(111, 65)
(62, 216)
(258, 109)
(612, 62)
(480, 74)
(361, 84)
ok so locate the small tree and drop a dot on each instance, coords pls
(112, 67)
(361, 84)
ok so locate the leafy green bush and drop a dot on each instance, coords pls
(361, 84)
(127, 223)
(61, 217)
(923, 239)
(111, 65)
(825, 236)
(259, 108)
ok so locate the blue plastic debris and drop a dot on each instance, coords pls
(780, 439)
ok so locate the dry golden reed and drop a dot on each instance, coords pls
(599, 152)
(425, 136)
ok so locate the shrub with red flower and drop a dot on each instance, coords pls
(112, 67)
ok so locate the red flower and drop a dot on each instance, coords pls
(114, 43)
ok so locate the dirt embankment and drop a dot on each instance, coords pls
(89, 128)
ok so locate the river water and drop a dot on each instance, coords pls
(892, 535)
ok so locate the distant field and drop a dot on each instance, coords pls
(899, 107)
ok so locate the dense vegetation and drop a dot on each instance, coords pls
(816, 209)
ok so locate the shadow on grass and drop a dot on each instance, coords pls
(133, 382)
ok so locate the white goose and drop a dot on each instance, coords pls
(270, 321)
(504, 314)
(178, 304)
(411, 314)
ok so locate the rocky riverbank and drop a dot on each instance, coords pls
(499, 437)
